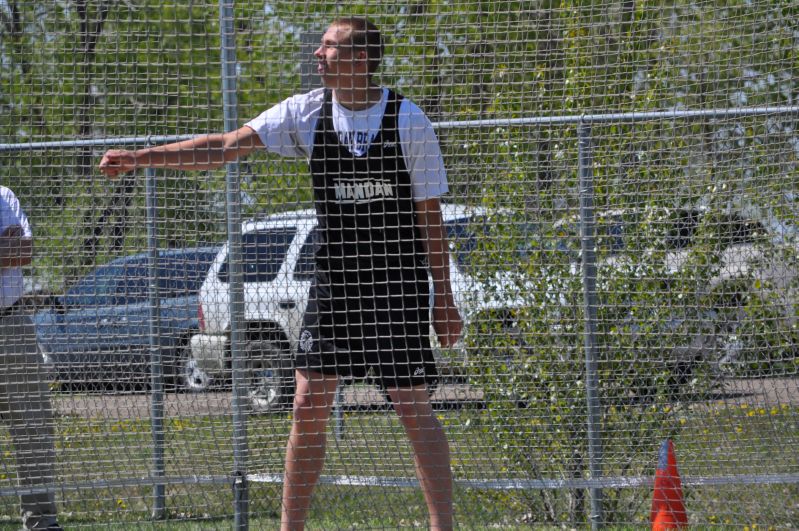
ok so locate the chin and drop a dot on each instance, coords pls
(331, 83)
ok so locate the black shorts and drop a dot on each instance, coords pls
(374, 330)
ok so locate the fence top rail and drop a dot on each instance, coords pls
(628, 117)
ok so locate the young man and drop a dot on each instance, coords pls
(24, 394)
(378, 174)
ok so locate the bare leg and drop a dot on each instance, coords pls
(431, 452)
(305, 452)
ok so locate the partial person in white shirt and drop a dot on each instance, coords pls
(24, 393)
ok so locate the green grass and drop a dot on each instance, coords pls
(714, 441)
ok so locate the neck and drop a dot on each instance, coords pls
(357, 99)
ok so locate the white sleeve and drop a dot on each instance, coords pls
(422, 153)
(12, 213)
(279, 129)
(27, 232)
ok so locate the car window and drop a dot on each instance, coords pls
(182, 275)
(680, 233)
(263, 253)
(306, 265)
(132, 285)
(129, 282)
(98, 288)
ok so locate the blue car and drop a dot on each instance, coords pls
(98, 336)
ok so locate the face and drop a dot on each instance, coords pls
(337, 62)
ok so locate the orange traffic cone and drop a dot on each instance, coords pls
(668, 508)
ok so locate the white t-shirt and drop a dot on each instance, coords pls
(11, 214)
(288, 129)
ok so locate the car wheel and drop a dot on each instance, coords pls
(193, 378)
(269, 377)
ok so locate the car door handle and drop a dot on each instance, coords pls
(287, 304)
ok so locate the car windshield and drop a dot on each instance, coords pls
(128, 282)
(463, 235)
(99, 287)
(263, 253)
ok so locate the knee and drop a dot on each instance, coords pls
(310, 408)
(407, 411)
(414, 417)
(314, 396)
(305, 403)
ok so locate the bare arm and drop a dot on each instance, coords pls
(446, 319)
(15, 250)
(201, 153)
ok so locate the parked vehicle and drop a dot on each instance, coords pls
(278, 267)
(98, 334)
(744, 299)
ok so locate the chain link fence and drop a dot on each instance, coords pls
(622, 221)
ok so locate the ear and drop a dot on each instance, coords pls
(361, 55)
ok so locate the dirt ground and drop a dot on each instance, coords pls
(763, 392)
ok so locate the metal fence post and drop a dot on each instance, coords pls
(587, 243)
(156, 359)
(233, 196)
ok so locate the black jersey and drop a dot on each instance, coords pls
(369, 303)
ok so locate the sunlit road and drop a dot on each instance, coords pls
(138, 405)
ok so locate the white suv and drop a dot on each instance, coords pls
(278, 266)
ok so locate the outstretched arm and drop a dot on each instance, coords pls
(446, 319)
(201, 153)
